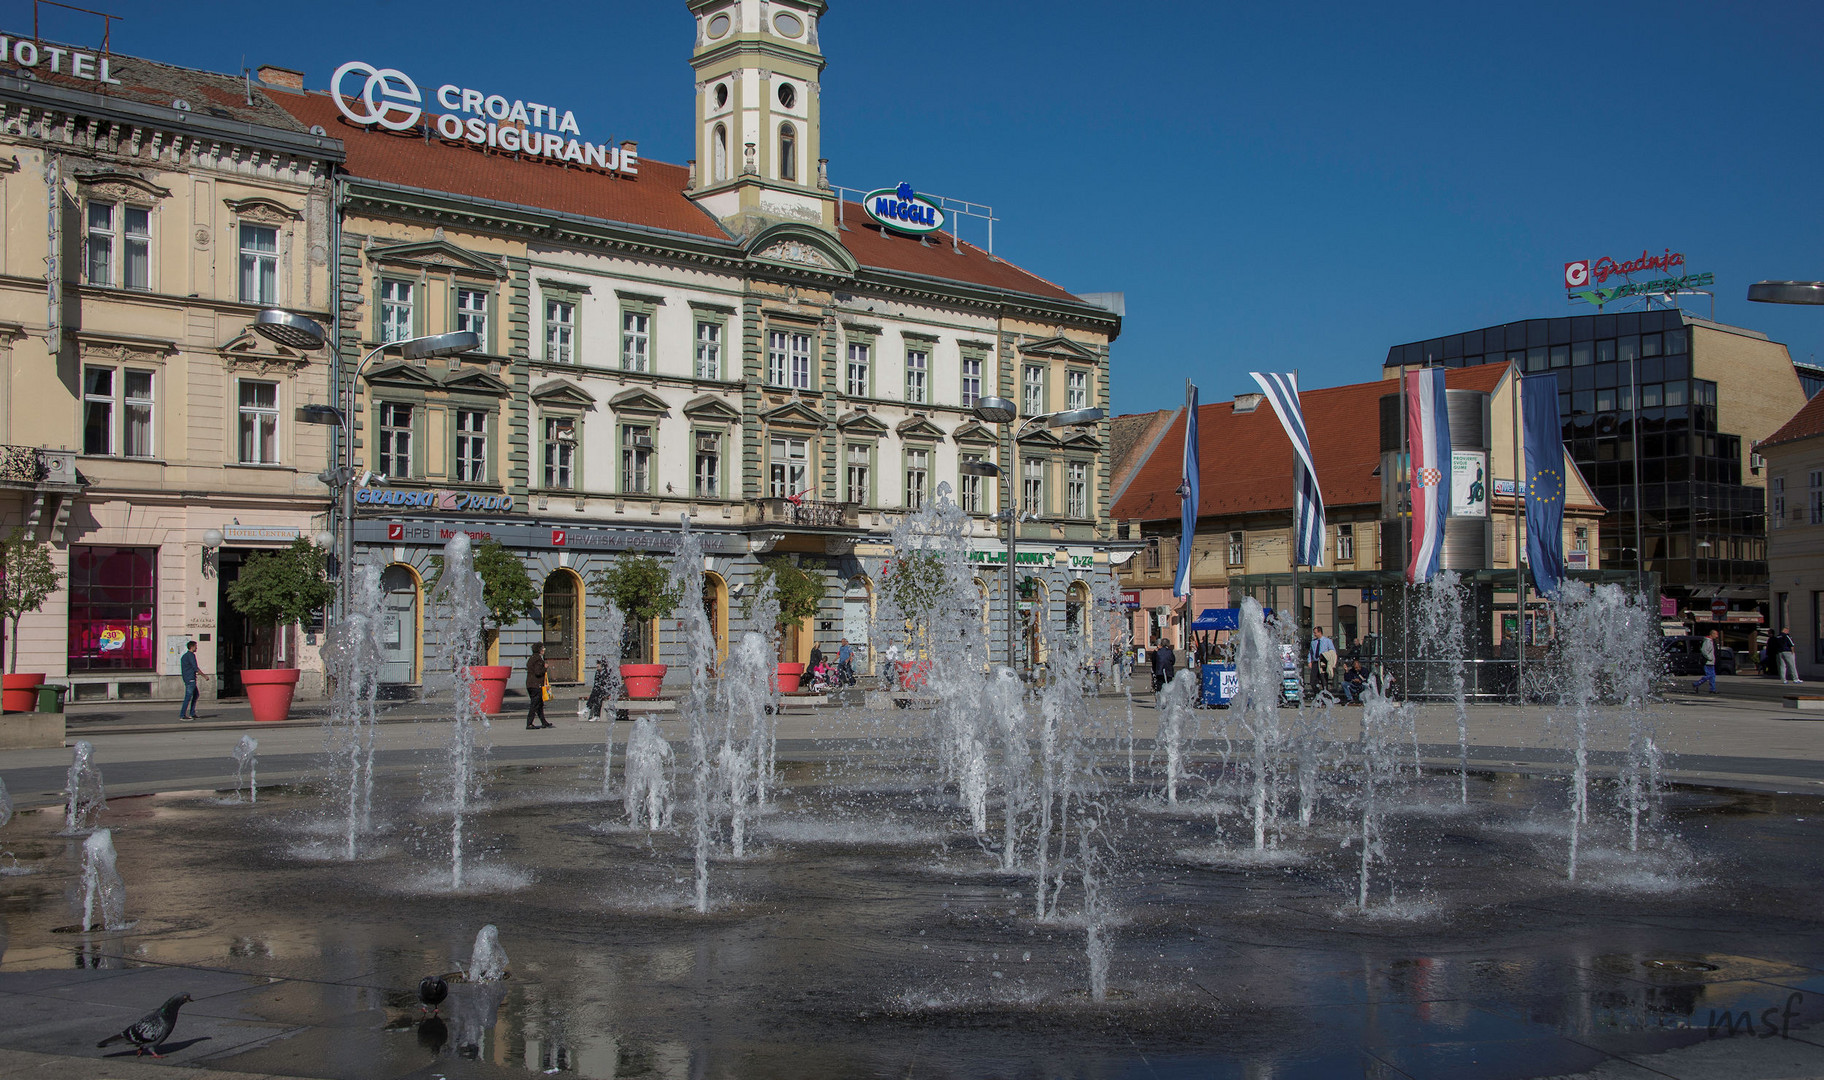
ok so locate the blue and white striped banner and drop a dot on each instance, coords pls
(1308, 502)
(1187, 491)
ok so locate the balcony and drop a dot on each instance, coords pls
(804, 513)
(32, 466)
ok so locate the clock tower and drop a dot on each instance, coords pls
(757, 64)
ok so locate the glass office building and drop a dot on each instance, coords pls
(1640, 417)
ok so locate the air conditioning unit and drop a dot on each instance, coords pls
(640, 440)
(566, 434)
(1756, 463)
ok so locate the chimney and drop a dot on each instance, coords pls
(282, 77)
(1247, 403)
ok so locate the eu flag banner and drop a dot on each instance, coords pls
(1187, 490)
(1308, 499)
(1543, 439)
(1428, 439)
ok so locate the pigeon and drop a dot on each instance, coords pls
(431, 991)
(152, 1029)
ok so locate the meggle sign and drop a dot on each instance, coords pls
(388, 98)
(903, 210)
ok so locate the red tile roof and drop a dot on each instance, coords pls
(654, 199)
(1246, 459)
(1805, 423)
(149, 82)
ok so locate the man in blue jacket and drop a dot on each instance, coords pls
(188, 669)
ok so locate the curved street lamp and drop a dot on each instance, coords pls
(299, 332)
(1787, 292)
(997, 410)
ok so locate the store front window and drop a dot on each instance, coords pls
(113, 608)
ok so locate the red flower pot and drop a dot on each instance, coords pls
(642, 680)
(269, 692)
(913, 674)
(788, 677)
(488, 686)
(20, 693)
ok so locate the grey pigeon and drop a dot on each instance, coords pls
(152, 1029)
(432, 990)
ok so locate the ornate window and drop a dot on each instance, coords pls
(636, 341)
(787, 465)
(395, 310)
(259, 422)
(117, 411)
(1076, 389)
(918, 477)
(788, 151)
(1032, 487)
(636, 459)
(259, 264)
(472, 314)
(560, 330)
(858, 474)
(709, 350)
(972, 381)
(560, 452)
(969, 486)
(1237, 548)
(1076, 489)
(709, 465)
(1345, 542)
(856, 383)
(118, 251)
(788, 359)
(471, 446)
(918, 369)
(1032, 387)
(395, 458)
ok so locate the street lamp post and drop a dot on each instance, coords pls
(996, 410)
(299, 332)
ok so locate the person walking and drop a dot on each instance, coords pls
(1165, 659)
(1707, 647)
(536, 687)
(845, 664)
(1323, 658)
(1785, 655)
(189, 670)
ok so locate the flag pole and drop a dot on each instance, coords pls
(1519, 554)
(1298, 608)
(1404, 506)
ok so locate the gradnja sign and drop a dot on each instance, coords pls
(388, 98)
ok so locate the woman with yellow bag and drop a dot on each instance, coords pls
(538, 688)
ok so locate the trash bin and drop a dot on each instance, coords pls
(50, 698)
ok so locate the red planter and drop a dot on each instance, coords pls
(20, 693)
(913, 674)
(642, 680)
(788, 677)
(269, 692)
(489, 687)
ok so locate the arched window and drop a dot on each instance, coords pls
(788, 152)
(720, 153)
(563, 620)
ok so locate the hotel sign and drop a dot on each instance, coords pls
(60, 59)
(903, 210)
(388, 98)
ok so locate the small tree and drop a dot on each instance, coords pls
(282, 587)
(642, 588)
(798, 588)
(31, 578)
(915, 585)
(507, 591)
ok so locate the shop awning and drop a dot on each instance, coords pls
(1217, 619)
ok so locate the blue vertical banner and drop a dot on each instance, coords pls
(1187, 491)
(1544, 441)
(1428, 436)
(1281, 389)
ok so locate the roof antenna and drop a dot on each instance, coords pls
(247, 74)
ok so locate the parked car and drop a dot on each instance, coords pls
(1684, 656)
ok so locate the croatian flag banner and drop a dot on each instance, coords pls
(1187, 491)
(1428, 439)
(1308, 499)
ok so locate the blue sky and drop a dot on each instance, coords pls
(1272, 186)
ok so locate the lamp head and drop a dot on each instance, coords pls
(1787, 292)
(212, 538)
(288, 329)
(319, 414)
(1073, 417)
(979, 468)
(456, 341)
(995, 410)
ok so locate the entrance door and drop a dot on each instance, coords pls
(855, 618)
(399, 626)
(560, 626)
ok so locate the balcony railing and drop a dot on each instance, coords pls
(806, 513)
(23, 465)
